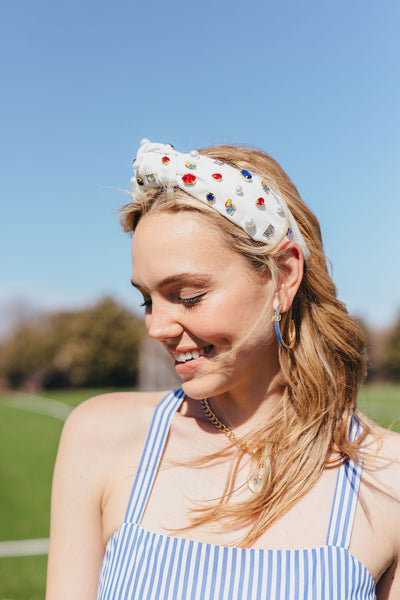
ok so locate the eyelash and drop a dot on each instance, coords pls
(187, 302)
(191, 302)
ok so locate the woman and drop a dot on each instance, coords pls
(256, 480)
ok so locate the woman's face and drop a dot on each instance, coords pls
(201, 299)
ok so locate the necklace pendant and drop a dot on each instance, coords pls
(256, 480)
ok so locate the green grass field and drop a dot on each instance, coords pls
(28, 445)
(382, 404)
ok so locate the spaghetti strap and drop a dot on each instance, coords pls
(345, 498)
(150, 460)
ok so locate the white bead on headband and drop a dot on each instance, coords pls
(242, 197)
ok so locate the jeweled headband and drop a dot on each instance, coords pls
(242, 197)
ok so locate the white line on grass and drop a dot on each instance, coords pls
(42, 406)
(50, 408)
(24, 548)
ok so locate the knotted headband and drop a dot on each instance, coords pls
(242, 197)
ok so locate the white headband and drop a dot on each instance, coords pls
(241, 197)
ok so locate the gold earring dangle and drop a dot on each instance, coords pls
(292, 330)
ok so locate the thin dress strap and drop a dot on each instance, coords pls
(151, 456)
(345, 498)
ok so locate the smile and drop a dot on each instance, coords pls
(182, 357)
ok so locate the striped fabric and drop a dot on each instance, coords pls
(143, 565)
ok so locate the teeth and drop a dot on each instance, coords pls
(185, 356)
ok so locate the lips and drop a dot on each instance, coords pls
(186, 356)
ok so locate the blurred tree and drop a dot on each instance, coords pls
(93, 346)
(367, 335)
(23, 354)
(374, 340)
(391, 359)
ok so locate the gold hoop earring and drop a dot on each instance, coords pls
(292, 330)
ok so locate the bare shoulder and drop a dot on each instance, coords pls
(101, 444)
(101, 430)
(115, 405)
(390, 442)
(113, 413)
(383, 493)
(387, 450)
(381, 473)
(102, 433)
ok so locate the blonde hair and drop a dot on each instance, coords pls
(322, 373)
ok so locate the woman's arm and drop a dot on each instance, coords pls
(76, 544)
(389, 584)
(388, 587)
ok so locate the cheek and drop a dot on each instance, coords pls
(243, 304)
(229, 316)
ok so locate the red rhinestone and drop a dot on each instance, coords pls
(217, 176)
(165, 160)
(189, 179)
(260, 201)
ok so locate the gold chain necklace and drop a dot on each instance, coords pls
(255, 480)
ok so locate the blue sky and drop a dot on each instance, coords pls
(315, 84)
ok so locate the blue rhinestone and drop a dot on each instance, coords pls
(140, 181)
(265, 186)
(210, 197)
(245, 174)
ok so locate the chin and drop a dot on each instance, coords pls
(205, 386)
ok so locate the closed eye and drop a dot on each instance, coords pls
(145, 303)
(188, 302)
(191, 301)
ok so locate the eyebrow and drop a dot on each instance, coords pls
(187, 278)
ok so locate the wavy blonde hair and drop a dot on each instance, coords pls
(322, 373)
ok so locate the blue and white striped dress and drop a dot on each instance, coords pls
(143, 565)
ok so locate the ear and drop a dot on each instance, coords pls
(290, 262)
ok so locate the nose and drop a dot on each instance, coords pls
(161, 322)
